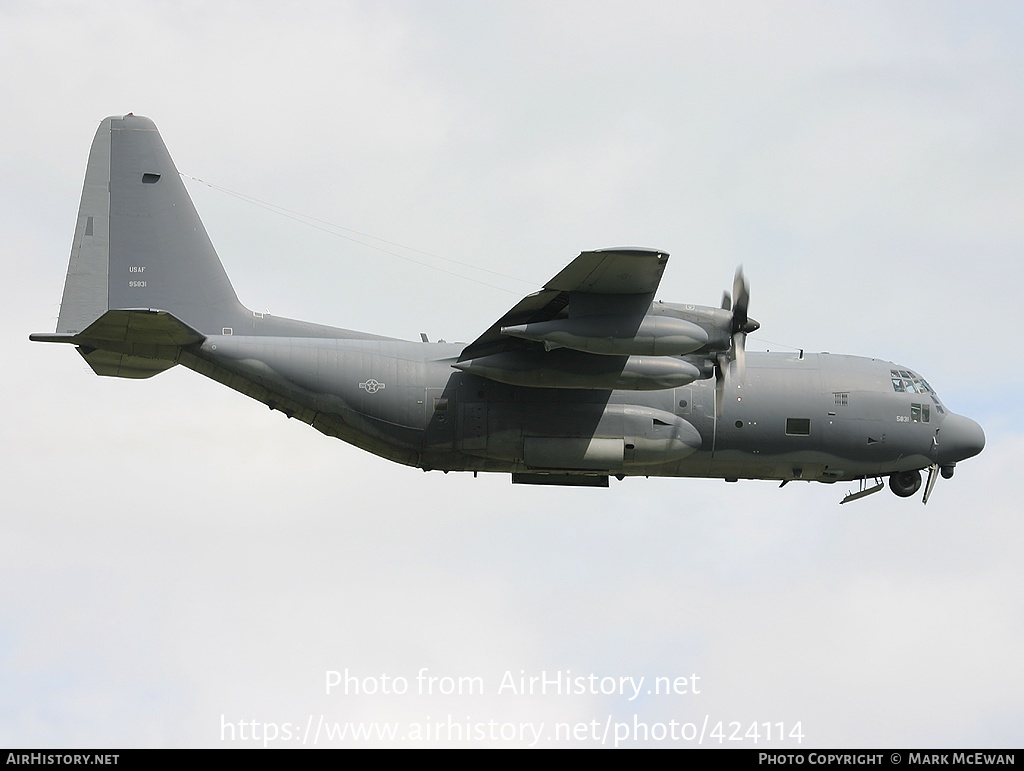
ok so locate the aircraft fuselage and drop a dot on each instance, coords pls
(821, 417)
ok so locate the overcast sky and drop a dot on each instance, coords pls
(175, 558)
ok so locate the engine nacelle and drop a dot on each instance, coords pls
(715, 322)
(654, 335)
(573, 369)
(626, 435)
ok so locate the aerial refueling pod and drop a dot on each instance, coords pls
(656, 335)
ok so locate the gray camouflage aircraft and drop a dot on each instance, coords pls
(586, 379)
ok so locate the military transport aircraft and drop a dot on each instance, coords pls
(586, 379)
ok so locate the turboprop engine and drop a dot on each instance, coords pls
(655, 335)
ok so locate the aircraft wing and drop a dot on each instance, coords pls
(612, 271)
(604, 281)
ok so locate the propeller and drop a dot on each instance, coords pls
(741, 325)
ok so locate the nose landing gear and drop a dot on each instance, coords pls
(905, 483)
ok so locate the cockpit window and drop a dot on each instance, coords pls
(905, 381)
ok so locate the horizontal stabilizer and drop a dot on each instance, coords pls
(110, 364)
(129, 343)
(142, 327)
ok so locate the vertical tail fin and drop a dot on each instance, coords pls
(143, 280)
(139, 242)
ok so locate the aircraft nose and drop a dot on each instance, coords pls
(959, 438)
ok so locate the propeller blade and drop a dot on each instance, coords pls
(741, 291)
(740, 324)
(721, 381)
(739, 349)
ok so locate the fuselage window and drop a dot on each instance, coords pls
(920, 413)
(904, 381)
(798, 426)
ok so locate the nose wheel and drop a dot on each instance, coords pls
(905, 483)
